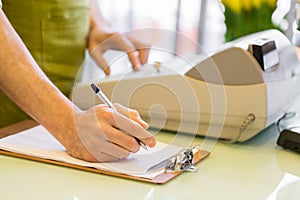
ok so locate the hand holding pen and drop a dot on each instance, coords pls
(105, 100)
(100, 134)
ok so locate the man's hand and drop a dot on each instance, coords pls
(101, 134)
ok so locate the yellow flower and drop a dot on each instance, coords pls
(271, 3)
(234, 5)
(240, 15)
(247, 5)
(238, 5)
(257, 3)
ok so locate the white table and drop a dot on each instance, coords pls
(256, 169)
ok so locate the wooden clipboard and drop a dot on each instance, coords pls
(160, 179)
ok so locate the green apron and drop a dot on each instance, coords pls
(55, 32)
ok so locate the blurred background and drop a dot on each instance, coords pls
(207, 22)
(186, 28)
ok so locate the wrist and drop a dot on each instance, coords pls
(58, 119)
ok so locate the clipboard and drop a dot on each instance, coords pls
(160, 179)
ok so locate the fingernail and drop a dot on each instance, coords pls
(136, 67)
(107, 71)
(152, 143)
(145, 124)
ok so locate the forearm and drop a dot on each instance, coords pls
(98, 133)
(24, 82)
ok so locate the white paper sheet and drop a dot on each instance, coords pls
(38, 142)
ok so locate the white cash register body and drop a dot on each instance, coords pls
(232, 94)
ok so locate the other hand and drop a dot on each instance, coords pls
(100, 41)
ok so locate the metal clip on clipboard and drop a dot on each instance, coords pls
(182, 161)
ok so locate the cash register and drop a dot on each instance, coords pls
(231, 93)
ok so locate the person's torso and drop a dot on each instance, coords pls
(55, 33)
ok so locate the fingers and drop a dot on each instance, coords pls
(134, 129)
(132, 114)
(131, 47)
(142, 48)
(139, 55)
(129, 126)
(104, 135)
(99, 59)
(134, 59)
(121, 139)
(143, 55)
(138, 52)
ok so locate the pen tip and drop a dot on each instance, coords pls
(143, 145)
(95, 88)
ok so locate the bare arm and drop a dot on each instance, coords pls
(24, 82)
(93, 135)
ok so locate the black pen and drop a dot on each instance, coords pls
(105, 100)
